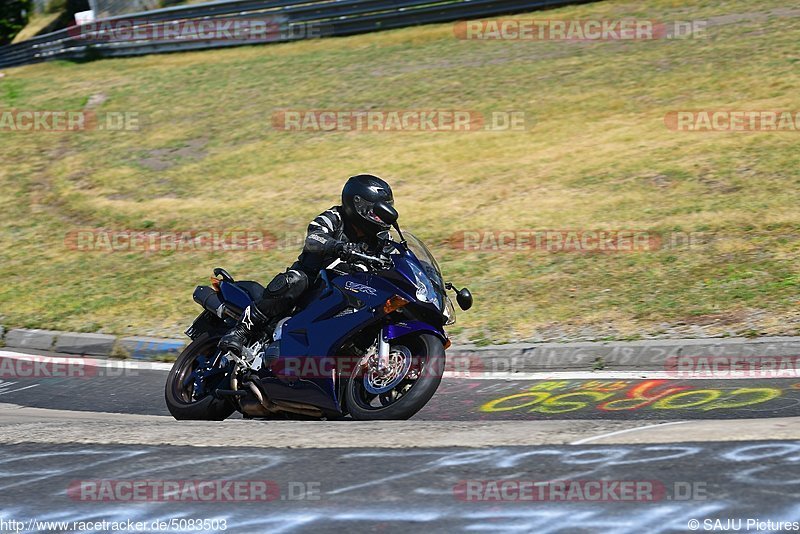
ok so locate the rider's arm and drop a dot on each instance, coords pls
(322, 232)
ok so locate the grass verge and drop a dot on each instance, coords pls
(599, 157)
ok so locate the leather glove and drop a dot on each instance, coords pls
(345, 250)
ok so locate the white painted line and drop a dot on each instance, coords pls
(87, 361)
(541, 375)
(601, 436)
(616, 375)
(18, 389)
(568, 375)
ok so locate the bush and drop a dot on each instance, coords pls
(13, 17)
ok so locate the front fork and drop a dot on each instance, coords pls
(383, 350)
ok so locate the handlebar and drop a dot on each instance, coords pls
(384, 263)
(219, 271)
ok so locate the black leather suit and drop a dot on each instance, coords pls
(325, 233)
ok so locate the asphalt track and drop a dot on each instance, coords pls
(723, 452)
(132, 388)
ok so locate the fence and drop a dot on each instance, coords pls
(329, 17)
(116, 8)
(39, 6)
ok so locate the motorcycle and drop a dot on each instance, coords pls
(369, 344)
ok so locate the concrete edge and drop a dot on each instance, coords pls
(671, 355)
(150, 348)
(100, 345)
(35, 339)
(38, 425)
(651, 355)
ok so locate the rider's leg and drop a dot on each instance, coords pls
(282, 292)
(278, 298)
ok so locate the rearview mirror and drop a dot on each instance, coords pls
(464, 298)
(386, 213)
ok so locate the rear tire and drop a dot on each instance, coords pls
(179, 402)
(425, 346)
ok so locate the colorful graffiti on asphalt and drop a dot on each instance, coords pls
(565, 396)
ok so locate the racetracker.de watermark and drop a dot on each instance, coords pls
(593, 240)
(638, 491)
(208, 240)
(68, 121)
(733, 366)
(718, 120)
(32, 366)
(517, 29)
(399, 120)
(191, 490)
(556, 240)
(260, 29)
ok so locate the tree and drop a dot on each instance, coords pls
(13, 17)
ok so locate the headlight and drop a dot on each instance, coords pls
(425, 289)
(449, 311)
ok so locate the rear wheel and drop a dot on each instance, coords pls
(416, 364)
(193, 379)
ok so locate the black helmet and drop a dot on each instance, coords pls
(359, 195)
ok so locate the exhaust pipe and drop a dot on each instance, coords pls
(209, 299)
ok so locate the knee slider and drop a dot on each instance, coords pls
(278, 285)
(297, 283)
(290, 284)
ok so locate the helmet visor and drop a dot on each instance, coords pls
(366, 210)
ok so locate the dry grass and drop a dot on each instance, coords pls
(598, 157)
(36, 24)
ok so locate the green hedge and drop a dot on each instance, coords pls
(13, 17)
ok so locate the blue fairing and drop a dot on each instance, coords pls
(233, 294)
(336, 309)
(321, 327)
(398, 330)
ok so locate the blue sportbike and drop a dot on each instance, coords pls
(369, 342)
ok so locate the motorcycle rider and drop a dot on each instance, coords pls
(335, 233)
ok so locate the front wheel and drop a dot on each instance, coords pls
(416, 364)
(192, 381)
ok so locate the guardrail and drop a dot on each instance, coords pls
(287, 20)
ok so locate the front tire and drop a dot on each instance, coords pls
(182, 402)
(428, 353)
